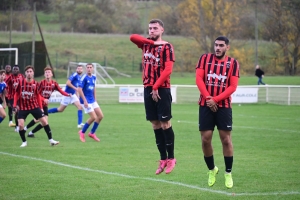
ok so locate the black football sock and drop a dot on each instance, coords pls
(48, 131)
(10, 113)
(22, 135)
(170, 139)
(228, 163)
(160, 142)
(210, 162)
(31, 123)
(37, 128)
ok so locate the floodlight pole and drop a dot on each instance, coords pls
(10, 27)
(256, 35)
(33, 34)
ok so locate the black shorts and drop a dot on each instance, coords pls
(160, 110)
(209, 119)
(36, 113)
(45, 108)
(11, 102)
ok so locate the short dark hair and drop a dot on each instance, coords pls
(29, 67)
(223, 38)
(16, 66)
(89, 64)
(48, 68)
(153, 21)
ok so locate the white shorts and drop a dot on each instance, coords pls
(1, 106)
(91, 107)
(69, 100)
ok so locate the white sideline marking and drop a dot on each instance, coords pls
(154, 179)
(269, 117)
(248, 127)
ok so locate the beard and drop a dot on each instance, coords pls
(154, 38)
(221, 56)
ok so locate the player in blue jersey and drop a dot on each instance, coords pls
(89, 103)
(71, 88)
(2, 95)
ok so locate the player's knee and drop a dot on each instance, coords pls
(165, 125)
(100, 118)
(43, 121)
(226, 141)
(93, 117)
(155, 124)
(206, 141)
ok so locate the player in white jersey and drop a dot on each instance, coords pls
(89, 103)
(2, 95)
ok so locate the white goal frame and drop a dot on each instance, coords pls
(103, 78)
(12, 49)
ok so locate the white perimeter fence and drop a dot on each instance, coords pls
(189, 94)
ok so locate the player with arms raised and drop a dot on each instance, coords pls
(29, 102)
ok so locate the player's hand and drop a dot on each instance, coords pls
(46, 101)
(15, 110)
(70, 95)
(86, 105)
(156, 43)
(155, 95)
(4, 105)
(211, 104)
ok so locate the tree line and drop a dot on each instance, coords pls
(275, 20)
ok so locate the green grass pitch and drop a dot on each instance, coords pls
(122, 166)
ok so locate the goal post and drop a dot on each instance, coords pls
(103, 78)
(12, 49)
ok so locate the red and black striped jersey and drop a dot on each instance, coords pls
(47, 87)
(153, 62)
(27, 95)
(217, 76)
(12, 82)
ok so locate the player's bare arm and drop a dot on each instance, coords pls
(85, 103)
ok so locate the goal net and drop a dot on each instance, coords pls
(4, 59)
(100, 72)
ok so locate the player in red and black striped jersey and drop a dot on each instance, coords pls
(10, 114)
(45, 89)
(157, 61)
(29, 102)
(217, 78)
(12, 82)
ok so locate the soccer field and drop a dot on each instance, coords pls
(122, 166)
